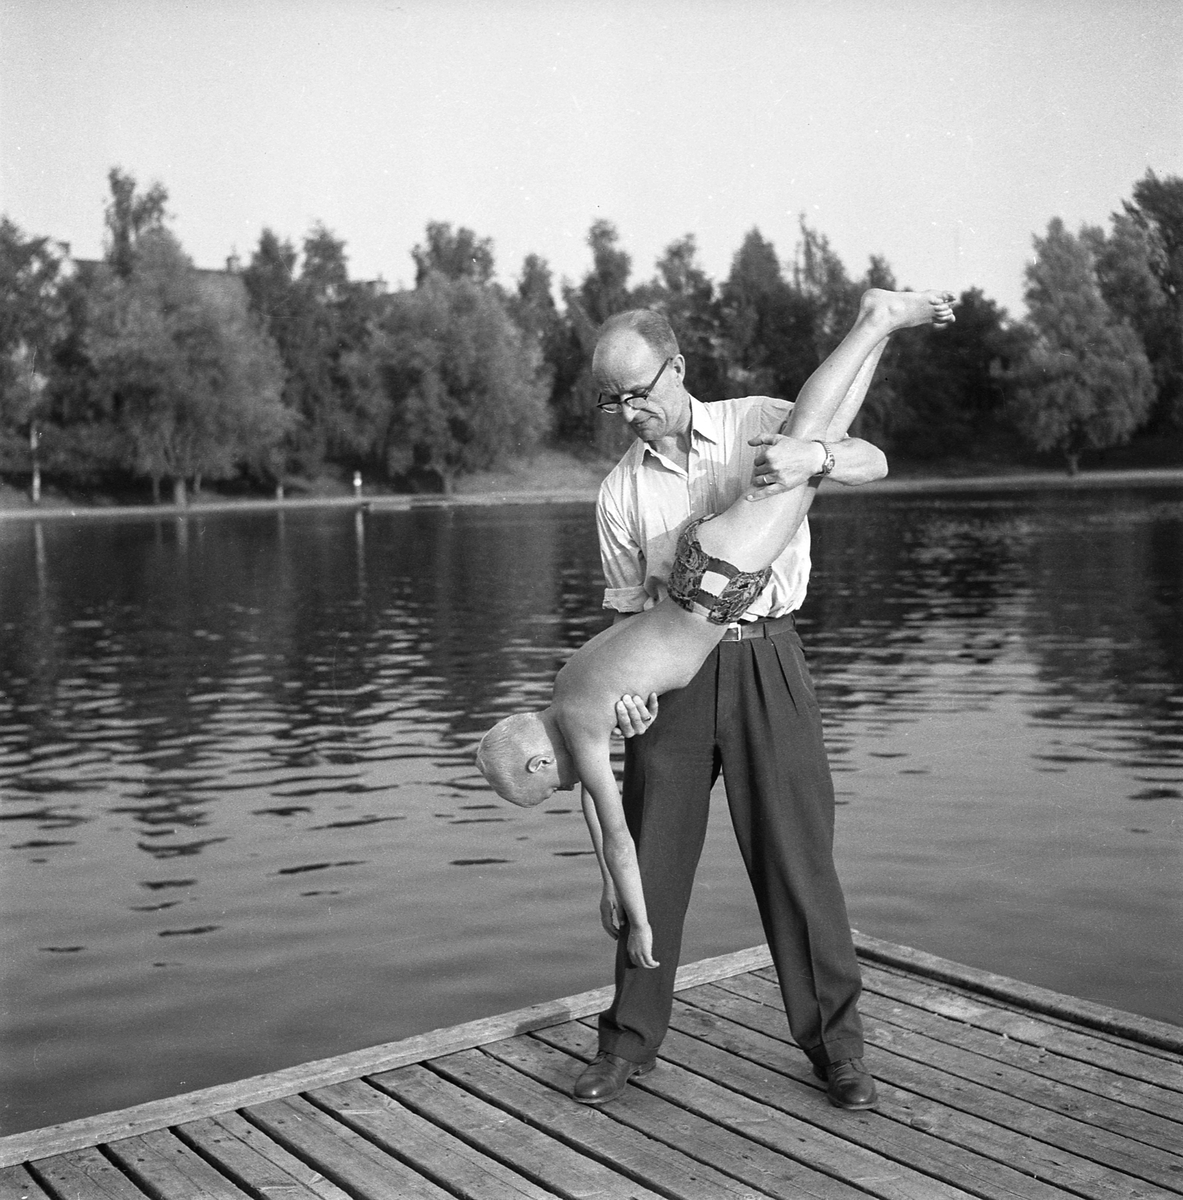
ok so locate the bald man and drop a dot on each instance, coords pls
(749, 712)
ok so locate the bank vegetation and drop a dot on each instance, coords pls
(140, 374)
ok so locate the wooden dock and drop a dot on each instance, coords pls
(988, 1088)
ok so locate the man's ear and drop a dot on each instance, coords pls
(537, 761)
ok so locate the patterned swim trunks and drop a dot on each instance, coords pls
(709, 586)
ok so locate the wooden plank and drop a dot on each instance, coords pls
(425, 1146)
(167, 1169)
(207, 1102)
(254, 1161)
(17, 1184)
(593, 1133)
(659, 1111)
(1143, 1050)
(719, 1021)
(342, 1155)
(1148, 1113)
(1084, 1124)
(798, 1123)
(541, 1158)
(1159, 1075)
(1061, 1085)
(1025, 995)
(87, 1175)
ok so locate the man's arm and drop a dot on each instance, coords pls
(620, 558)
(790, 462)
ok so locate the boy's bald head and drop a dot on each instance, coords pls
(505, 754)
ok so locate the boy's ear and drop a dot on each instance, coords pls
(537, 761)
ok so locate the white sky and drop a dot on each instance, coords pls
(942, 135)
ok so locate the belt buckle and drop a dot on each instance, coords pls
(734, 632)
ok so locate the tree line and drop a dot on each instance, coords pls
(140, 370)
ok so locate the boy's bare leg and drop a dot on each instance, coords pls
(843, 418)
(752, 535)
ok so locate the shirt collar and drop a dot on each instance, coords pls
(703, 424)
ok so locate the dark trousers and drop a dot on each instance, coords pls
(750, 711)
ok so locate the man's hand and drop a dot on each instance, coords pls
(611, 914)
(783, 463)
(634, 715)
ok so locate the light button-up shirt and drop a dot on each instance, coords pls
(647, 500)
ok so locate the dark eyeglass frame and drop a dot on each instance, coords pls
(633, 399)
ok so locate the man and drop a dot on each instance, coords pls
(750, 711)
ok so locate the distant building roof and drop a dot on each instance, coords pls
(223, 287)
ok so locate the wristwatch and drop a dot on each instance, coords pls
(828, 465)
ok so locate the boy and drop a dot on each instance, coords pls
(721, 565)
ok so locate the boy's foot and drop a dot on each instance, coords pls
(607, 1077)
(905, 310)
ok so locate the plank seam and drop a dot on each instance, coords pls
(222, 1168)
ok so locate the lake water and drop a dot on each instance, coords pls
(243, 829)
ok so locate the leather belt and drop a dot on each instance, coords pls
(740, 631)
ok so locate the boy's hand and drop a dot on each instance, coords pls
(611, 915)
(640, 946)
(634, 715)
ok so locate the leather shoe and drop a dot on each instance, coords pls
(848, 1084)
(606, 1077)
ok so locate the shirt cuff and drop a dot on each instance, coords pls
(626, 600)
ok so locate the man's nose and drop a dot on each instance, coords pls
(629, 413)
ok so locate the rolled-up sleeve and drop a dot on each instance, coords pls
(621, 559)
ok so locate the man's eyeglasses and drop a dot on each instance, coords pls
(613, 404)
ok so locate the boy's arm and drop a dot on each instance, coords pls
(611, 916)
(619, 854)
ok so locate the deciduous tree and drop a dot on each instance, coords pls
(948, 390)
(320, 321)
(604, 289)
(465, 387)
(768, 324)
(32, 316)
(1157, 210)
(820, 277)
(684, 293)
(129, 215)
(1085, 382)
(194, 385)
(455, 254)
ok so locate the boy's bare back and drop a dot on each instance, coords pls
(659, 650)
